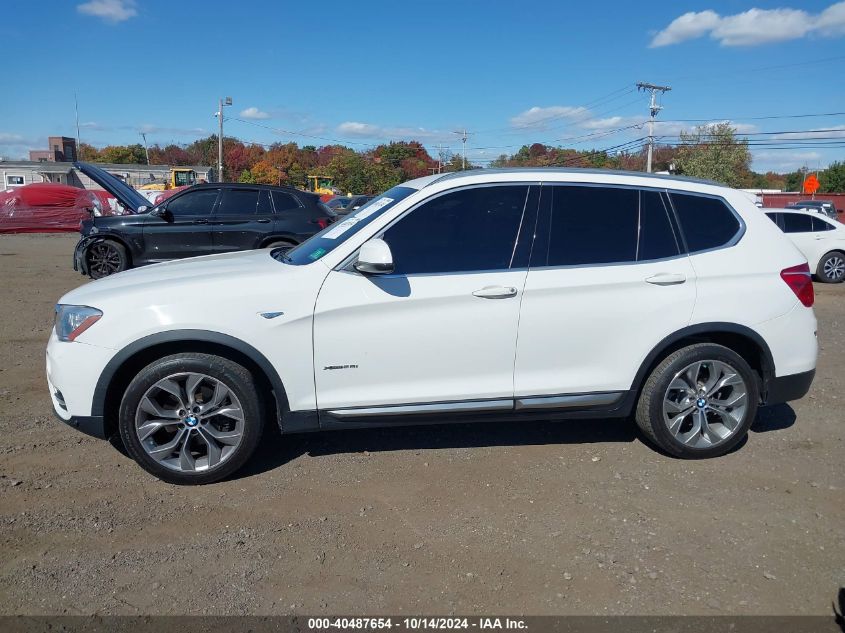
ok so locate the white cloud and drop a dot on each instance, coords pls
(254, 113)
(113, 11)
(538, 117)
(760, 26)
(354, 128)
(831, 21)
(687, 27)
(753, 27)
(370, 130)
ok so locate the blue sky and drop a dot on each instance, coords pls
(366, 72)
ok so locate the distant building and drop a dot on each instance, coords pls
(17, 173)
(62, 150)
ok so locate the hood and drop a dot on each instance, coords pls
(125, 194)
(200, 280)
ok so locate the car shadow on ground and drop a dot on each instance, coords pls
(774, 418)
(275, 450)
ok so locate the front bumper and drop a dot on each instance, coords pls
(73, 370)
(94, 426)
(80, 263)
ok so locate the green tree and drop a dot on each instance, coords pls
(247, 176)
(123, 154)
(793, 181)
(714, 152)
(832, 179)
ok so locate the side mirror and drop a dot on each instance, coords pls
(158, 211)
(374, 258)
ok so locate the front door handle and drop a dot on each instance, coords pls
(263, 220)
(667, 279)
(495, 292)
(201, 221)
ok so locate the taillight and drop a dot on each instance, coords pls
(800, 282)
(322, 222)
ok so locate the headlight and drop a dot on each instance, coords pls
(71, 321)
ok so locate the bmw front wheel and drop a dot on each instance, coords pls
(191, 418)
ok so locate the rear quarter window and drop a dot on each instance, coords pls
(706, 222)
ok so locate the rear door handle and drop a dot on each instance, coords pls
(201, 221)
(495, 292)
(263, 221)
(667, 279)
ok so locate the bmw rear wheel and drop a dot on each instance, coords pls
(699, 402)
(191, 418)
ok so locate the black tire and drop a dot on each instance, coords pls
(233, 376)
(650, 407)
(106, 258)
(831, 269)
(285, 246)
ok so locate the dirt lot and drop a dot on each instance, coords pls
(549, 518)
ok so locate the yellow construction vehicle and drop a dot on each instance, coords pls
(179, 177)
(321, 185)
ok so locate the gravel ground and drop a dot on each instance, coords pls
(546, 518)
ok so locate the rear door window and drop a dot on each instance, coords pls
(821, 225)
(284, 201)
(797, 223)
(238, 202)
(706, 222)
(592, 225)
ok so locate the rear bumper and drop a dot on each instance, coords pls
(787, 388)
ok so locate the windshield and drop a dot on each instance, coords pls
(336, 234)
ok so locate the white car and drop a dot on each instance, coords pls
(819, 238)
(474, 296)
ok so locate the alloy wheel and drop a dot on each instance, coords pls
(103, 260)
(189, 422)
(705, 404)
(834, 268)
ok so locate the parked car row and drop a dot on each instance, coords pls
(469, 297)
(201, 220)
(819, 206)
(343, 205)
(820, 239)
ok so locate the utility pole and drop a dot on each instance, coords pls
(463, 134)
(223, 102)
(146, 149)
(654, 109)
(441, 154)
(78, 144)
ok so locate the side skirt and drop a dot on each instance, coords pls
(557, 407)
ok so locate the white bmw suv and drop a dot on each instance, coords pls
(474, 296)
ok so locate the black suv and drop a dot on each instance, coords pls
(202, 220)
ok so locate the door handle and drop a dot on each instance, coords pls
(495, 292)
(667, 279)
(263, 221)
(201, 221)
